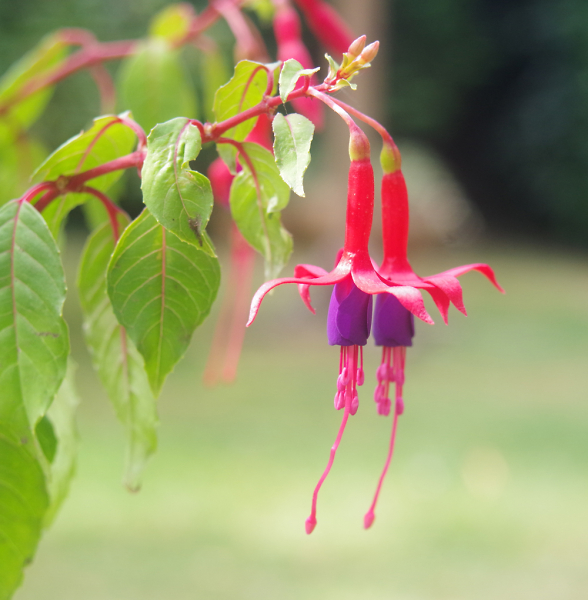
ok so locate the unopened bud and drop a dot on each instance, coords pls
(369, 52)
(390, 158)
(359, 146)
(357, 46)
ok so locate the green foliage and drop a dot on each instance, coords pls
(245, 89)
(258, 194)
(179, 198)
(106, 140)
(154, 84)
(34, 339)
(172, 23)
(293, 136)
(289, 76)
(34, 346)
(61, 415)
(23, 502)
(115, 358)
(40, 61)
(161, 289)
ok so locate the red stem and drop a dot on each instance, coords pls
(111, 208)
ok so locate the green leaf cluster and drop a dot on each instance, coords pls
(258, 194)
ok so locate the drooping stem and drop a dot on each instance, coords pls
(111, 208)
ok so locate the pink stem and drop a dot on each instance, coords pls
(105, 87)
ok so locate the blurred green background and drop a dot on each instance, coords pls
(487, 496)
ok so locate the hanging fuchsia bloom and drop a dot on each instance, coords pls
(290, 45)
(393, 324)
(355, 281)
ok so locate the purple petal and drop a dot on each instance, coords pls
(393, 324)
(350, 315)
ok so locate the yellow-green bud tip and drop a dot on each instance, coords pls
(390, 159)
(359, 145)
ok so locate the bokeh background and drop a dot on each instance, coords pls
(487, 496)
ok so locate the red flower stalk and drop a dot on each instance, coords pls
(290, 45)
(326, 24)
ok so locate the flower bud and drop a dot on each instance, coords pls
(357, 47)
(369, 52)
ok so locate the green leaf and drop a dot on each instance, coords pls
(23, 502)
(245, 89)
(106, 140)
(61, 416)
(214, 74)
(172, 24)
(116, 359)
(46, 437)
(155, 86)
(292, 138)
(33, 336)
(179, 198)
(289, 76)
(255, 207)
(161, 289)
(41, 61)
(18, 159)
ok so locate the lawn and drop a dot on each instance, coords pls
(487, 496)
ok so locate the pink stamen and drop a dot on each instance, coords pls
(311, 521)
(347, 398)
(384, 405)
(370, 515)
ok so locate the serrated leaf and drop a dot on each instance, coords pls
(245, 89)
(106, 140)
(45, 435)
(61, 416)
(41, 61)
(255, 205)
(115, 358)
(292, 138)
(23, 503)
(289, 76)
(161, 289)
(34, 340)
(155, 86)
(172, 24)
(179, 198)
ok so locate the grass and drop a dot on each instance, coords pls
(486, 497)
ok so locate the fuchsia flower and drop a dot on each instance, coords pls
(393, 324)
(356, 279)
